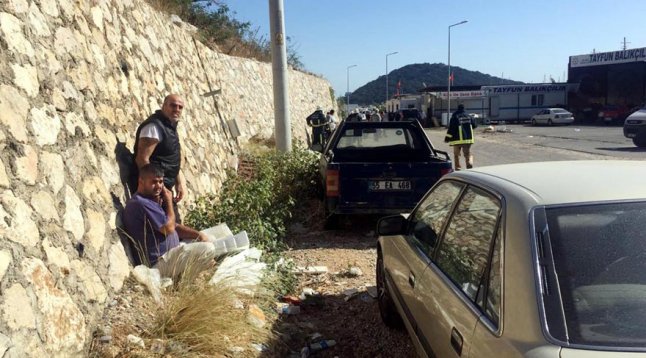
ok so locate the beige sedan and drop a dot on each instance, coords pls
(522, 260)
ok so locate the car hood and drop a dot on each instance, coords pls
(584, 353)
(640, 114)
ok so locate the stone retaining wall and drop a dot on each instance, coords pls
(76, 78)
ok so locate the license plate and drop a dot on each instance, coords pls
(389, 185)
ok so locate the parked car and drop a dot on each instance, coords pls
(635, 127)
(378, 168)
(613, 114)
(551, 116)
(521, 260)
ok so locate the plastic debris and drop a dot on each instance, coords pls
(242, 271)
(307, 292)
(259, 347)
(136, 341)
(312, 270)
(365, 297)
(231, 244)
(150, 278)
(577, 129)
(315, 347)
(216, 232)
(105, 339)
(166, 282)
(236, 350)
(287, 308)
(256, 316)
(355, 271)
(490, 129)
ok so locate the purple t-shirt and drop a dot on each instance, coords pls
(143, 219)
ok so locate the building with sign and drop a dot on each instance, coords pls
(607, 79)
(517, 103)
(510, 103)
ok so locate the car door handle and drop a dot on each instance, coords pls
(456, 341)
(411, 280)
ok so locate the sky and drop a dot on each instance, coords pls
(521, 40)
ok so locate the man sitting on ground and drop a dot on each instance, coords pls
(149, 219)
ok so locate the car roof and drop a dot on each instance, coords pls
(564, 182)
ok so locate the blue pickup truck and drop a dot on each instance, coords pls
(378, 168)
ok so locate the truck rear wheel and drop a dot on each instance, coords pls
(640, 141)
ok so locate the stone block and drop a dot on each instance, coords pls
(4, 179)
(119, 268)
(54, 170)
(13, 111)
(65, 43)
(61, 323)
(95, 235)
(94, 289)
(49, 7)
(97, 17)
(45, 206)
(16, 221)
(37, 22)
(94, 191)
(45, 126)
(73, 121)
(16, 308)
(73, 219)
(26, 165)
(56, 255)
(5, 261)
(10, 27)
(17, 7)
(5, 344)
(26, 77)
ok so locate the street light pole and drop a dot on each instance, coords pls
(347, 90)
(388, 54)
(448, 94)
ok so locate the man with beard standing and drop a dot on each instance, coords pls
(157, 142)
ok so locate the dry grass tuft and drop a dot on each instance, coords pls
(203, 317)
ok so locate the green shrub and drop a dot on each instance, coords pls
(263, 204)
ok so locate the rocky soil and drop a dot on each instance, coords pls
(342, 309)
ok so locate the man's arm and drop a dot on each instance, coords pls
(188, 233)
(180, 188)
(145, 149)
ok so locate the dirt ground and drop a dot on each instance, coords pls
(351, 320)
(354, 323)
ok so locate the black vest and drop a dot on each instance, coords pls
(167, 153)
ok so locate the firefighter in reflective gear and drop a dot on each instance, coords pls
(318, 122)
(459, 135)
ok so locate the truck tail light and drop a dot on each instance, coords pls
(445, 171)
(332, 182)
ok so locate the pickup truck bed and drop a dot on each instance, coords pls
(378, 168)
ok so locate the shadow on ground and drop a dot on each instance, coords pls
(624, 149)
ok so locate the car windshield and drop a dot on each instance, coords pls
(600, 261)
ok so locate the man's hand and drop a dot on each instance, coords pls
(179, 188)
(202, 237)
(166, 196)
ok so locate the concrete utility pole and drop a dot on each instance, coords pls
(282, 132)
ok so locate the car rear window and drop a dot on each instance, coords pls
(560, 111)
(599, 254)
(387, 143)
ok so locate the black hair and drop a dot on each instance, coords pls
(152, 170)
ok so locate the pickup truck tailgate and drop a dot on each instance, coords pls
(393, 186)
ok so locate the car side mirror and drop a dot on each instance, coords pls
(391, 225)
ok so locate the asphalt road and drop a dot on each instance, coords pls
(514, 143)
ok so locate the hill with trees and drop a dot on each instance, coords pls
(416, 76)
